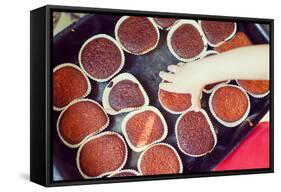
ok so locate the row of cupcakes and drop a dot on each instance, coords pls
(106, 155)
(101, 57)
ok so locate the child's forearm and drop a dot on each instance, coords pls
(251, 63)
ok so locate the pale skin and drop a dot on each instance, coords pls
(245, 63)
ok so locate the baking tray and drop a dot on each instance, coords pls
(146, 68)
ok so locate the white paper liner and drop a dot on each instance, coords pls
(94, 133)
(166, 29)
(174, 28)
(117, 45)
(126, 171)
(226, 39)
(55, 108)
(114, 81)
(95, 137)
(258, 96)
(121, 20)
(225, 123)
(163, 144)
(132, 114)
(211, 128)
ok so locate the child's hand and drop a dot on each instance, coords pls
(184, 78)
(250, 63)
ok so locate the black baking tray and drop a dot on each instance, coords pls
(146, 68)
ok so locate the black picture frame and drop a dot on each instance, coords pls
(41, 104)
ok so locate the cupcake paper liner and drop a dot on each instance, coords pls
(110, 85)
(126, 171)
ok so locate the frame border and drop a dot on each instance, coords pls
(47, 159)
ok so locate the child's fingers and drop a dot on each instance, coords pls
(168, 87)
(167, 76)
(173, 68)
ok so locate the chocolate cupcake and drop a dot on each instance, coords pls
(175, 103)
(125, 173)
(195, 133)
(80, 120)
(210, 87)
(217, 32)
(239, 40)
(229, 104)
(137, 35)
(186, 40)
(144, 127)
(164, 23)
(101, 155)
(256, 88)
(69, 83)
(101, 57)
(160, 159)
(124, 93)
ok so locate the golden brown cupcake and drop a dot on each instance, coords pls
(229, 104)
(80, 120)
(256, 88)
(144, 127)
(101, 155)
(160, 159)
(69, 83)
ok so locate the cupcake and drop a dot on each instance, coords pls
(164, 23)
(160, 159)
(101, 155)
(125, 173)
(186, 40)
(195, 134)
(80, 120)
(174, 103)
(239, 40)
(229, 104)
(124, 93)
(210, 87)
(256, 88)
(144, 127)
(101, 57)
(218, 32)
(137, 35)
(69, 83)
